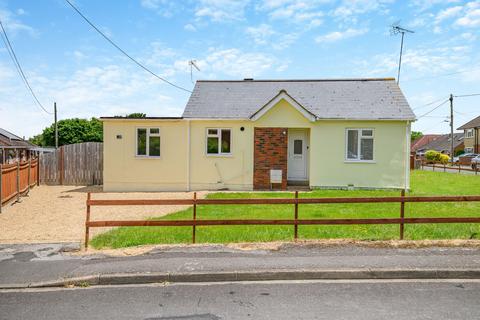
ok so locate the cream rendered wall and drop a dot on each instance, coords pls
(327, 164)
(328, 167)
(123, 171)
(213, 172)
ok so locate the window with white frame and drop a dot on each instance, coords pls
(219, 141)
(359, 145)
(469, 133)
(468, 150)
(148, 142)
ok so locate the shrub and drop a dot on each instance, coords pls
(432, 155)
(444, 158)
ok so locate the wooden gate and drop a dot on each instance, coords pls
(73, 164)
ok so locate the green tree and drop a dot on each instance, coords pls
(137, 115)
(71, 131)
(415, 135)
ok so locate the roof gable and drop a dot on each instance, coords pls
(282, 95)
(475, 123)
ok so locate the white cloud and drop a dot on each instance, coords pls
(350, 8)
(233, 62)
(423, 62)
(471, 15)
(265, 35)
(340, 35)
(190, 27)
(448, 13)
(308, 13)
(13, 24)
(165, 8)
(221, 10)
(427, 4)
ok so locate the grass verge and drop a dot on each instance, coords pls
(422, 183)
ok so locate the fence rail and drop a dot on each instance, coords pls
(442, 166)
(295, 222)
(17, 179)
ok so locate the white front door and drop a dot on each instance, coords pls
(297, 155)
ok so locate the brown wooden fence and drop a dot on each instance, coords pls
(73, 164)
(295, 221)
(17, 178)
(437, 166)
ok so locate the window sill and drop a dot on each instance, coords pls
(221, 155)
(147, 157)
(360, 161)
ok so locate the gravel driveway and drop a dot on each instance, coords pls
(57, 213)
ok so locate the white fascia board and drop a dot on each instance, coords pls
(283, 95)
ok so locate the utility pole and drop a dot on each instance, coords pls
(452, 151)
(396, 29)
(56, 127)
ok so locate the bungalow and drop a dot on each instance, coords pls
(13, 148)
(262, 134)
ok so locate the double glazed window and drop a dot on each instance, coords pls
(469, 133)
(148, 142)
(219, 141)
(359, 145)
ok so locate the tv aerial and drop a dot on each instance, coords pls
(394, 30)
(193, 64)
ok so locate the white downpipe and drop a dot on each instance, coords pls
(407, 155)
(188, 156)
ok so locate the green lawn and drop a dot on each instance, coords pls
(422, 183)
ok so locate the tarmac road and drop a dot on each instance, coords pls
(335, 299)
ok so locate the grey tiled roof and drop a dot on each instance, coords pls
(356, 99)
(442, 143)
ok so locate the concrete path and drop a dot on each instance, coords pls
(369, 300)
(30, 266)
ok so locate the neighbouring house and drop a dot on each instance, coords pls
(472, 135)
(14, 148)
(422, 141)
(442, 144)
(262, 134)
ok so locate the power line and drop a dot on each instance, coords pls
(468, 95)
(427, 113)
(441, 75)
(428, 104)
(123, 51)
(13, 56)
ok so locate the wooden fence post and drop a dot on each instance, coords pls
(38, 170)
(194, 216)
(459, 166)
(18, 181)
(1, 199)
(61, 165)
(296, 217)
(28, 174)
(402, 214)
(87, 220)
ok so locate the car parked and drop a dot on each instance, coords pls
(475, 162)
(466, 158)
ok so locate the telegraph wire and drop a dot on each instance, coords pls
(427, 113)
(18, 66)
(123, 51)
(428, 104)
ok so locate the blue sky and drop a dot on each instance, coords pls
(67, 62)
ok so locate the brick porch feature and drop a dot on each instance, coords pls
(270, 152)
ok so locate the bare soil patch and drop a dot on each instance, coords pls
(57, 213)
